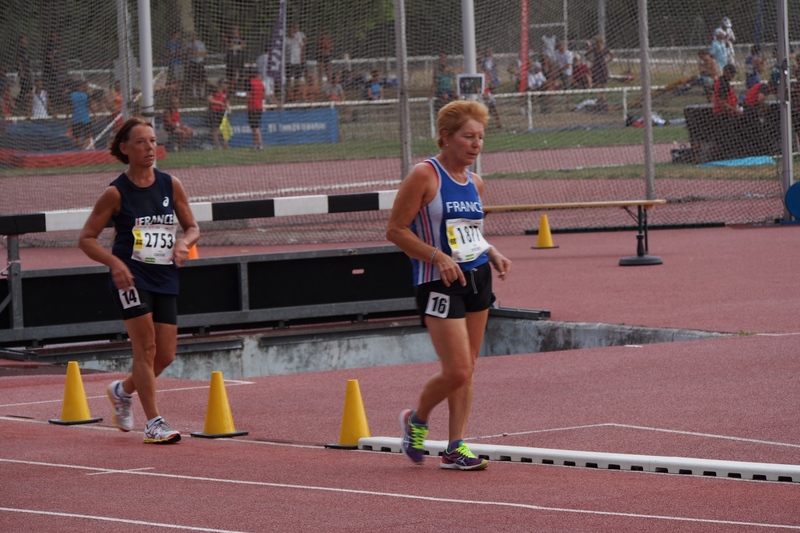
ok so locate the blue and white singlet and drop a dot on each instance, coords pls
(453, 202)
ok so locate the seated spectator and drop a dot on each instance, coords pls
(6, 108)
(753, 66)
(313, 91)
(40, 106)
(443, 87)
(375, 87)
(581, 75)
(173, 125)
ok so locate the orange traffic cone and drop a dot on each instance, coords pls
(75, 409)
(545, 240)
(193, 252)
(219, 420)
(354, 419)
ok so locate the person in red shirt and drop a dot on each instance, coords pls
(172, 122)
(756, 113)
(581, 75)
(255, 107)
(724, 95)
(217, 107)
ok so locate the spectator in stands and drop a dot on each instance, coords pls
(489, 67)
(196, 64)
(173, 124)
(262, 68)
(81, 123)
(40, 105)
(454, 288)
(217, 107)
(296, 67)
(234, 57)
(563, 68)
(725, 102)
(6, 108)
(54, 72)
(143, 276)
(581, 75)
(538, 82)
(115, 105)
(755, 112)
(599, 56)
(175, 61)
(443, 89)
(726, 129)
(730, 39)
(24, 77)
(325, 55)
(313, 92)
(255, 107)
(707, 73)
(334, 91)
(375, 87)
(488, 98)
(753, 66)
(718, 49)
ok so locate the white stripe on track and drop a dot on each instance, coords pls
(158, 525)
(514, 505)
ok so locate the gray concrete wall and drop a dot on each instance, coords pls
(263, 354)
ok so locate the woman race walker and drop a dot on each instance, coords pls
(437, 220)
(146, 207)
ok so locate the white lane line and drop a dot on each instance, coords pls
(642, 428)
(159, 525)
(233, 382)
(408, 496)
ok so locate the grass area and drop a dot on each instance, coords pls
(636, 172)
(496, 141)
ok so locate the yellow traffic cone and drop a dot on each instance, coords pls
(545, 240)
(75, 409)
(193, 252)
(219, 420)
(354, 419)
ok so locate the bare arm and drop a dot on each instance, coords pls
(416, 191)
(107, 205)
(191, 231)
(498, 260)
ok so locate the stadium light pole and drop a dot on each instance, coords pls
(146, 60)
(784, 100)
(402, 79)
(470, 53)
(644, 58)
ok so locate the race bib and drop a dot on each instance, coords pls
(438, 305)
(466, 239)
(129, 298)
(153, 244)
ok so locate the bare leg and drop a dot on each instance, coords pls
(153, 351)
(457, 343)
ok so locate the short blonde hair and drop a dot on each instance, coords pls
(455, 114)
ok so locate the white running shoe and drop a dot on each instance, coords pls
(159, 432)
(123, 411)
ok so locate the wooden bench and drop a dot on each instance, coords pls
(642, 241)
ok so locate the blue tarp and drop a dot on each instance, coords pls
(743, 162)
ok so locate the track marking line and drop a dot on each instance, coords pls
(233, 382)
(159, 525)
(398, 495)
(643, 428)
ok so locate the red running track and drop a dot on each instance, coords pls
(731, 399)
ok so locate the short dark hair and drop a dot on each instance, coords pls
(124, 135)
